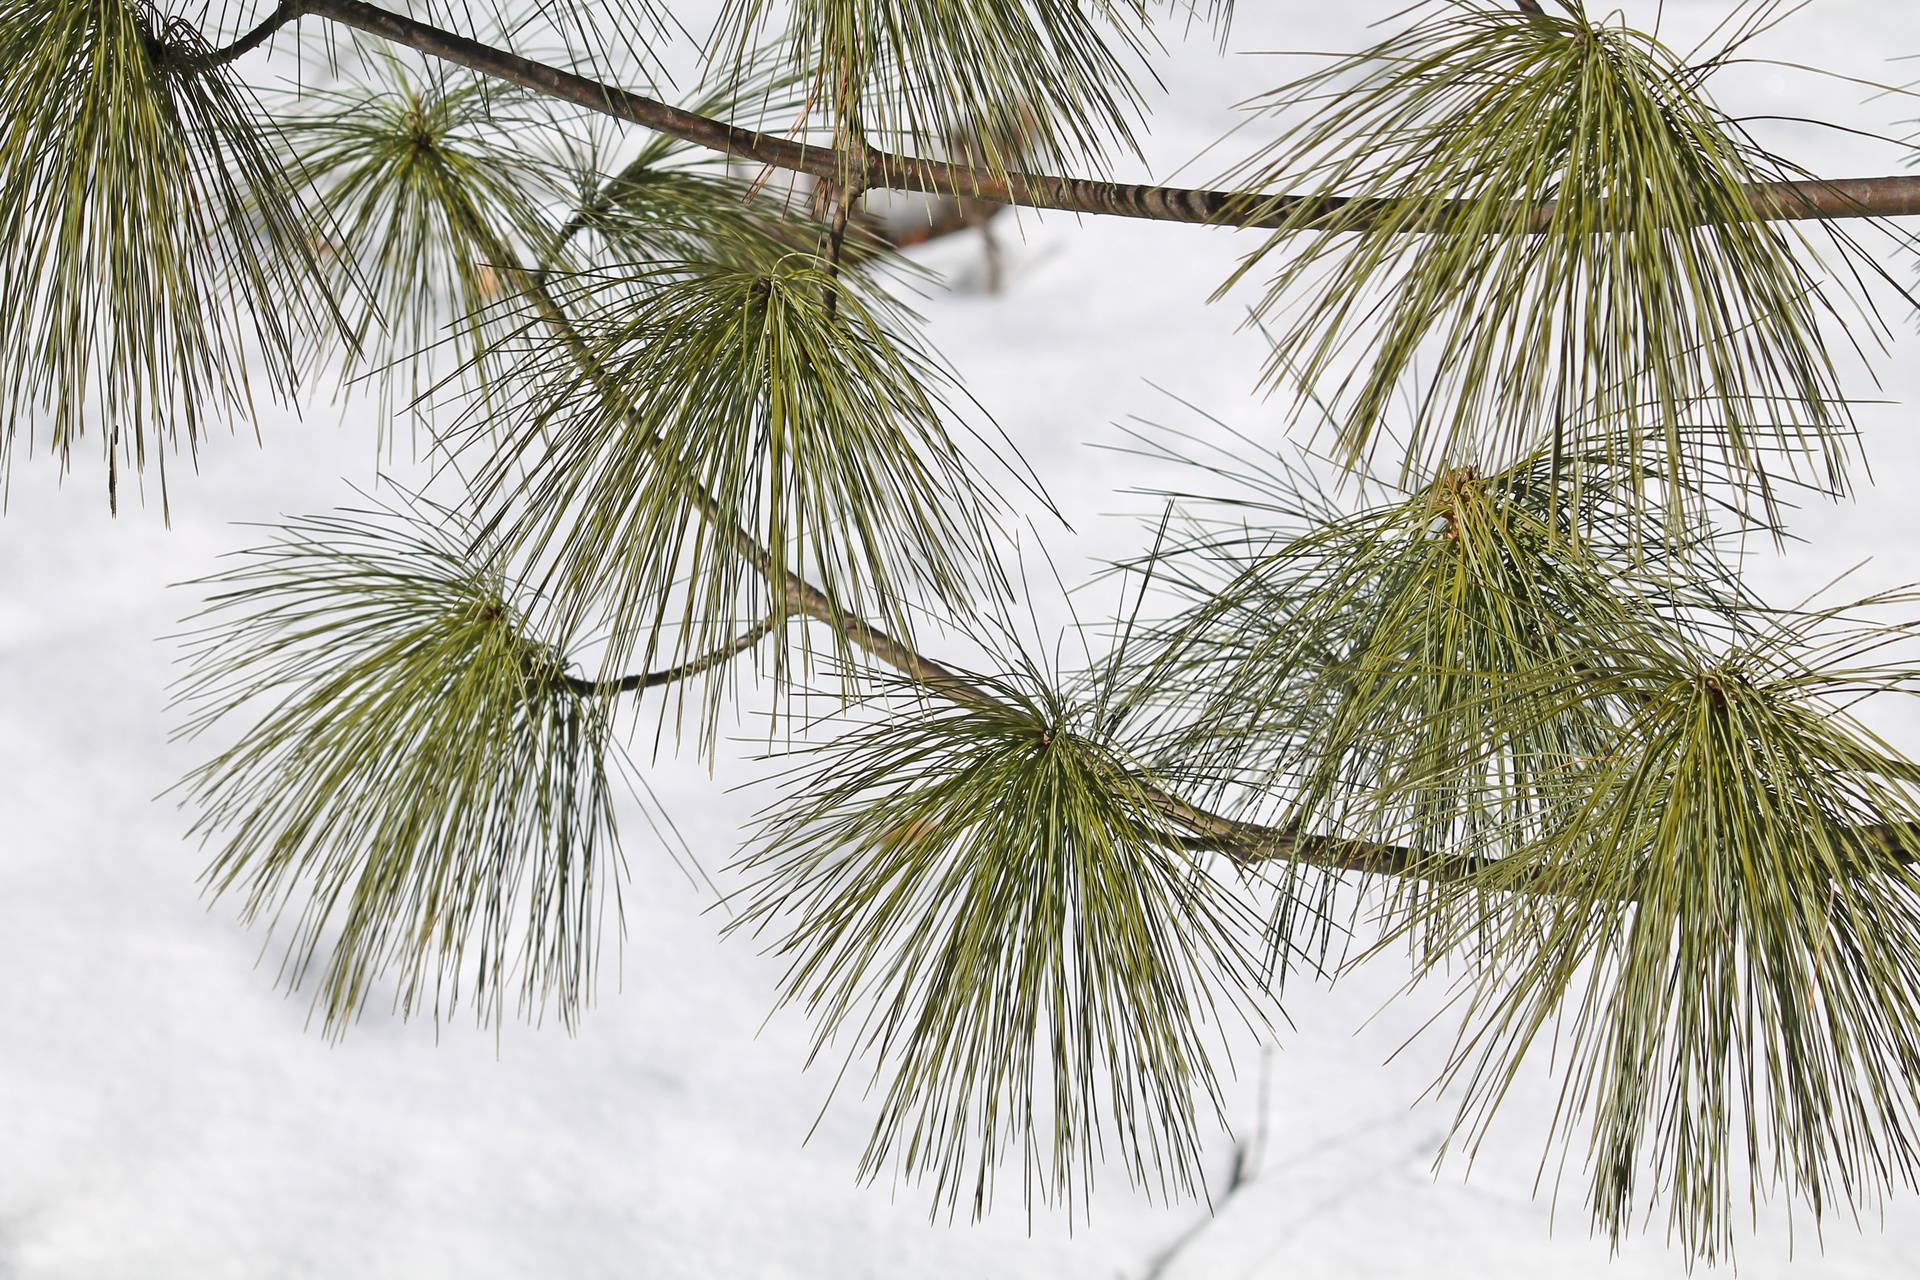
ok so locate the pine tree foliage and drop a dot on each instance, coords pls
(1722, 918)
(814, 445)
(1665, 803)
(671, 202)
(1059, 73)
(153, 250)
(1397, 701)
(1644, 299)
(428, 775)
(986, 900)
(427, 181)
(1410, 625)
(1556, 308)
(618, 37)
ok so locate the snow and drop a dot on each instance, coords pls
(166, 1111)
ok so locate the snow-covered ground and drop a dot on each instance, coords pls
(165, 1111)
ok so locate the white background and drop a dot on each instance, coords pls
(165, 1111)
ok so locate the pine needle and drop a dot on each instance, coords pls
(727, 430)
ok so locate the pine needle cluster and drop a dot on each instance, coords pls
(718, 435)
(156, 257)
(1060, 75)
(435, 187)
(1542, 225)
(423, 791)
(987, 901)
(1720, 930)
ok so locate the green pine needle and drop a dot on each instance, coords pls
(673, 202)
(431, 182)
(986, 903)
(719, 410)
(610, 39)
(1364, 674)
(420, 786)
(1012, 80)
(1648, 301)
(658, 209)
(152, 244)
(1726, 929)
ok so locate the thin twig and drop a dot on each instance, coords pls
(285, 12)
(672, 675)
(1248, 1154)
(836, 244)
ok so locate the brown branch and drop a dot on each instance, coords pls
(1805, 200)
(843, 197)
(673, 675)
(285, 12)
(1250, 843)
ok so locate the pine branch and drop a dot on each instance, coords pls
(1246, 843)
(843, 196)
(1791, 201)
(1801, 901)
